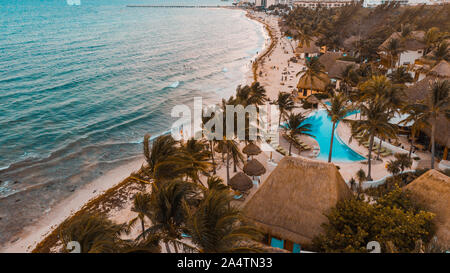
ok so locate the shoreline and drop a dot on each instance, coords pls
(39, 236)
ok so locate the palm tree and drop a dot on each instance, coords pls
(257, 94)
(400, 76)
(441, 52)
(349, 78)
(394, 48)
(211, 141)
(296, 126)
(168, 204)
(285, 104)
(231, 148)
(403, 161)
(435, 104)
(217, 227)
(416, 116)
(141, 205)
(337, 112)
(393, 166)
(361, 177)
(376, 123)
(94, 232)
(313, 71)
(379, 88)
(162, 148)
(190, 161)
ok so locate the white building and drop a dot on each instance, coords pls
(374, 3)
(268, 3)
(323, 3)
(413, 48)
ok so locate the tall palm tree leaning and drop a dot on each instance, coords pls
(285, 104)
(296, 126)
(375, 123)
(141, 205)
(337, 112)
(436, 103)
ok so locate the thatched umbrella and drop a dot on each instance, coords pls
(292, 201)
(313, 100)
(241, 182)
(432, 190)
(251, 149)
(254, 168)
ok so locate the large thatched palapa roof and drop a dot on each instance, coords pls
(308, 48)
(291, 203)
(338, 68)
(413, 42)
(241, 182)
(328, 59)
(432, 190)
(318, 84)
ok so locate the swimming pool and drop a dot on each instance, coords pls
(321, 127)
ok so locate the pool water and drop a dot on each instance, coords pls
(321, 127)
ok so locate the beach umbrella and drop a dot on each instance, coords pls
(251, 149)
(254, 168)
(241, 182)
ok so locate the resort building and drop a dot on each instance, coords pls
(335, 67)
(289, 206)
(412, 45)
(417, 93)
(374, 3)
(323, 3)
(307, 51)
(432, 190)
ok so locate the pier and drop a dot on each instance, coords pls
(179, 6)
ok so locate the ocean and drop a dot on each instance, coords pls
(80, 85)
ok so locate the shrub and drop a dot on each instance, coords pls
(394, 219)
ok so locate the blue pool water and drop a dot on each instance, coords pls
(321, 127)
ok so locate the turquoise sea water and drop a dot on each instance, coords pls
(321, 127)
(81, 85)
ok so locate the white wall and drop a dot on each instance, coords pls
(410, 56)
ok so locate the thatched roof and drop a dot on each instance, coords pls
(349, 43)
(317, 84)
(254, 168)
(414, 42)
(328, 59)
(441, 70)
(432, 190)
(291, 203)
(338, 68)
(241, 182)
(311, 48)
(418, 92)
(251, 149)
(312, 99)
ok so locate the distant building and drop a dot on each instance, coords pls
(374, 3)
(268, 3)
(323, 3)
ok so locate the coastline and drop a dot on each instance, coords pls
(40, 236)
